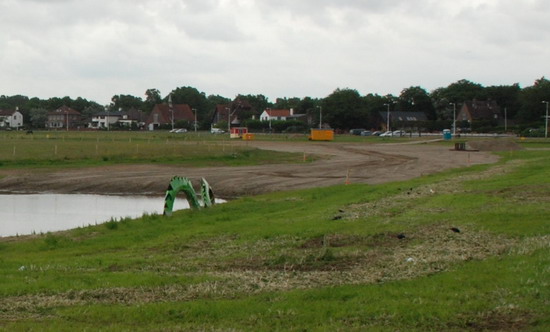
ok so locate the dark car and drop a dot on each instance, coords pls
(366, 133)
(356, 131)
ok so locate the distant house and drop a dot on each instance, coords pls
(11, 119)
(280, 115)
(274, 115)
(403, 120)
(64, 118)
(105, 119)
(162, 114)
(477, 110)
(133, 117)
(234, 113)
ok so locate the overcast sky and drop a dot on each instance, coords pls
(282, 48)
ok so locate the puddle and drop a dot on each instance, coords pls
(27, 214)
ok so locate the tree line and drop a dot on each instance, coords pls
(344, 108)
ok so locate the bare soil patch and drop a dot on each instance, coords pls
(351, 162)
(495, 145)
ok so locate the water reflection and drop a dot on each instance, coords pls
(25, 214)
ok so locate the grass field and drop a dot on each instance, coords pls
(76, 149)
(96, 148)
(467, 249)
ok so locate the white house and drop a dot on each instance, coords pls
(11, 119)
(274, 115)
(105, 119)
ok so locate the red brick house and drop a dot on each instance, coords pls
(162, 115)
(64, 118)
(477, 110)
(234, 112)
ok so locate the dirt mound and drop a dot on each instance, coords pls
(494, 145)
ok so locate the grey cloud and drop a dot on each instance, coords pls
(92, 48)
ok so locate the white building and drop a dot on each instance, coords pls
(105, 119)
(11, 119)
(274, 115)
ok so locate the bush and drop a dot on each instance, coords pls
(533, 132)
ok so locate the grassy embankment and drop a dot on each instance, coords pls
(353, 257)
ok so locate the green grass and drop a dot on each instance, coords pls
(320, 259)
(79, 149)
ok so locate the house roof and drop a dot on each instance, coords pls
(482, 109)
(6, 112)
(109, 114)
(235, 107)
(135, 114)
(278, 113)
(64, 110)
(222, 111)
(181, 112)
(404, 116)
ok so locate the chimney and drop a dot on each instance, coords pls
(292, 111)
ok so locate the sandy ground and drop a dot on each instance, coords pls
(364, 163)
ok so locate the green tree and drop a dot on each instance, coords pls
(506, 96)
(308, 104)
(89, 111)
(56, 102)
(532, 109)
(213, 101)
(376, 104)
(152, 98)
(458, 92)
(286, 103)
(345, 109)
(38, 117)
(258, 102)
(192, 97)
(79, 104)
(125, 103)
(416, 99)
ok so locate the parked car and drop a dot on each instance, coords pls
(366, 133)
(399, 133)
(178, 130)
(386, 134)
(356, 131)
(216, 131)
(376, 133)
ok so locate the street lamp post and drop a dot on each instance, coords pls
(388, 116)
(171, 108)
(505, 120)
(454, 118)
(195, 123)
(320, 117)
(546, 120)
(228, 119)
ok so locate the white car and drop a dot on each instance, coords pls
(399, 133)
(178, 131)
(216, 131)
(386, 134)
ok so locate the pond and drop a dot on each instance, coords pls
(36, 213)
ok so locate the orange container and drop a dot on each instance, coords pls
(321, 135)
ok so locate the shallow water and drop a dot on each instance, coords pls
(27, 214)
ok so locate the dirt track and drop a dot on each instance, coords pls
(365, 164)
